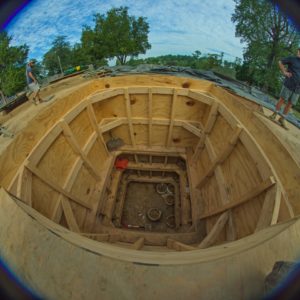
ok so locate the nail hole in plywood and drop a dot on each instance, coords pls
(132, 101)
(176, 140)
(107, 85)
(186, 84)
(190, 103)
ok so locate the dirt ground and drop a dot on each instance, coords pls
(140, 197)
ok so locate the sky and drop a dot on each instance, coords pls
(176, 26)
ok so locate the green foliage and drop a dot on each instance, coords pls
(213, 62)
(60, 51)
(116, 34)
(269, 36)
(12, 65)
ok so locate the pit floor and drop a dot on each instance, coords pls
(140, 197)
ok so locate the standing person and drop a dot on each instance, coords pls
(291, 86)
(32, 82)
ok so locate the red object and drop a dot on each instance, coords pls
(121, 163)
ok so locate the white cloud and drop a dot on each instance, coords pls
(176, 26)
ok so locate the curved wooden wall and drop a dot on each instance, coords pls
(234, 188)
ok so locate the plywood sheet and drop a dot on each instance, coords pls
(161, 106)
(220, 135)
(141, 134)
(139, 105)
(58, 160)
(44, 198)
(182, 138)
(110, 108)
(240, 172)
(190, 109)
(81, 128)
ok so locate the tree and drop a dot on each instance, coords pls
(12, 65)
(117, 34)
(60, 53)
(268, 35)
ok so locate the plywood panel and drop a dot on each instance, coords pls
(220, 134)
(210, 195)
(190, 109)
(161, 106)
(160, 134)
(240, 172)
(139, 105)
(182, 138)
(141, 133)
(210, 224)
(81, 128)
(245, 217)
(44, 197)
(110, 108)
(83, 188)
(58, 160)
(119, 132)
(204, 160)
(97, 155)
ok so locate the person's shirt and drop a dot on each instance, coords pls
(293, 82)
(28, 78)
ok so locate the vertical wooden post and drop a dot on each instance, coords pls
(150, 117)
(174, 98)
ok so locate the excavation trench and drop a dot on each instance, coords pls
(156, 178)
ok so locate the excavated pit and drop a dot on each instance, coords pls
(230, 199)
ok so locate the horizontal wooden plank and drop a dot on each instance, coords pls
(260, 188)
(55, 186)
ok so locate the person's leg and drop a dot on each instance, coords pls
(285, 95)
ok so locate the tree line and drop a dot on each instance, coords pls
(267, 33)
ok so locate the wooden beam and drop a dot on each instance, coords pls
(178, 246)
(76, 148)
(222, 185)
(191, 128)
(150, 114)
(69, 182)
(154, 150)
(70, 218)
(115, 122)
(24, 187)
(111, 199)
(139, 244)
(128, 112)
(254, 192)
(200, 145)
(93, 121)
(120, 203)
(55, 186)
(215, 231)
(222, 157)
(212, 117)
(270, 209)
(173, 106)
(185, 204)
(230, 228)
(153, 167)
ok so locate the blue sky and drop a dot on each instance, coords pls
(176, 26)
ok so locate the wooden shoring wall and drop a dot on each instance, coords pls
(69, 168)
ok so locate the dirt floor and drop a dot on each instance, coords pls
(140, 197)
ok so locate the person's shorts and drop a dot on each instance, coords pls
(289, 95)
(34, 87)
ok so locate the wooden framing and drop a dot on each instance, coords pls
(215, 231)
(144, 115)
(76, 148)
(128, 112)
